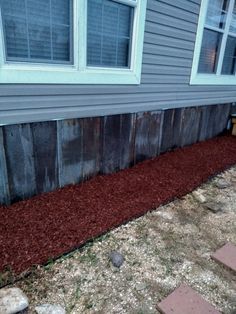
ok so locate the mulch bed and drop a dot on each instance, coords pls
(49, 225)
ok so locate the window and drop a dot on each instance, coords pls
(109, 33)
(215, 49)
(37, 31)
(71, 41)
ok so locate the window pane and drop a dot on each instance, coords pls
(37, 31)
(233, 21)
(229, 62)
(16, 37)
(109, 33)
(209, 51)
(216, 13)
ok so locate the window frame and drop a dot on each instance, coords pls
(214, 78)
(79, 72)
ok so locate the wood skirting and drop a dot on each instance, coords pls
(43, 156)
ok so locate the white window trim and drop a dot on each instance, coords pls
(79, 73)
(209, 79)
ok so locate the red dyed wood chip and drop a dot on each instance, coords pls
(184, 300)
(226, 255)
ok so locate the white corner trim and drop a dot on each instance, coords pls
(79, 73)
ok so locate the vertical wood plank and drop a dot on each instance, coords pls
(4, 188)
(212, 121)
(148, 135)
(190, 125)
(111, 144)
(45, 155)
(222, 113)
(91, 147)
(127, 132)
(217, 117)
(70, 151)
(233, 108)
(167, 130)
(177, 127)
(204, 133)
(172, 129)
(20, 161)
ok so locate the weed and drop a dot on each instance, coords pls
(89, 257)
(88, 304)
(49, 264)
(75, 298)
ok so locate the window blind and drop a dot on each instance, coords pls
(209, 51)
(229, 62)
(109, 33)
(37, 31)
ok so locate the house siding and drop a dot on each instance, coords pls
(170, 33)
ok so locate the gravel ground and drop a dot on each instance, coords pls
(162, 249)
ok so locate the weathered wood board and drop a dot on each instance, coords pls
(111, 144)
(190, 125)
(127, 133)
(148, 135)
(91, 147)
(171, 130)
(45, 155)
(204, 128)
(20, 161)
(4, 188)
(40, 157)
(70, 151)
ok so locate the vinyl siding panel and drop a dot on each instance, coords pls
(168, 53)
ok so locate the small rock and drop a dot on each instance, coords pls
(117, 259)
(222, 184)
(141, 286)
(214, 206)
(49, 309)
(12, 300)
(199, 197)
(165, 215)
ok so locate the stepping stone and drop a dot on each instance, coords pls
(184, 300)
(226, 256)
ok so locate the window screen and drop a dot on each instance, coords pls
(37, 31)
(109, 33)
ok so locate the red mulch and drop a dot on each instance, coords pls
(48, 225)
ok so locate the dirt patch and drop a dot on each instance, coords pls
(164, 248)
(44, 227)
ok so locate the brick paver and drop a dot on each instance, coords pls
(226, 255)
(184, 300)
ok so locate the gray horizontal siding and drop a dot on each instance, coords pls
(168, 52)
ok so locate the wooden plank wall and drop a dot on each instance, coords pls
(40, 157)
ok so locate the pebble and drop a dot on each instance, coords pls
(199, 197)
(215, 207)
(141, 286)
(12, 300)
(222, 184)
(117, 259)
(49, 309)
